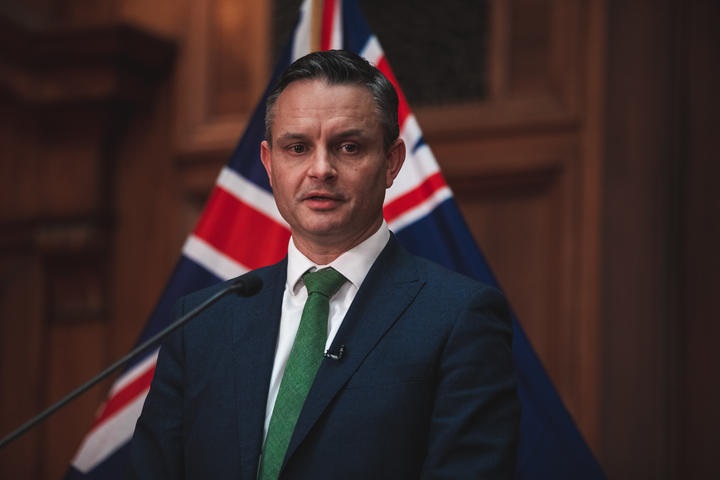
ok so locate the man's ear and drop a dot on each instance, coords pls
(265, 158)
(395, 158)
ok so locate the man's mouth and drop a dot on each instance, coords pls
(321, 200)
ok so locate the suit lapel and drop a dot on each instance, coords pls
(255, 335)
(390, 286)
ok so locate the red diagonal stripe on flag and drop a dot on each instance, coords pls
(326, 31)
(125, 395)
(403, 107)
(235, 229)
(414, 197)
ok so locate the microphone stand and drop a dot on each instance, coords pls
(245, 286)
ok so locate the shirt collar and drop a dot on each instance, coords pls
(353, 264)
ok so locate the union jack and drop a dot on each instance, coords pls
(240, 229)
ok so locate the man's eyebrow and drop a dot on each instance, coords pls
(350, 133)
(289, 136)
(353, 132)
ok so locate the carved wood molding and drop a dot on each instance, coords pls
(536, 52)
(535, 73)
(63, 89)
(222, 71)
(72, 254)
(100, 64)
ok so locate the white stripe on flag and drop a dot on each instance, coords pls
(411, 132)
(414, 214)
(372, 51)
(212, 259)
(250, 194)
(303, 33)
(417, 168)
(134, 373)
(336, 36)
(104, 440)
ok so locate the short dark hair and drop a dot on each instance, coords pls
(340, 67)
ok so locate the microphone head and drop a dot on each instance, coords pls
(247, 285)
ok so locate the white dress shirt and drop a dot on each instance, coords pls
(353, 265)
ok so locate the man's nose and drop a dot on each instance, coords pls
(322, 165)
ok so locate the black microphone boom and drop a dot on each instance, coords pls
(246, 286)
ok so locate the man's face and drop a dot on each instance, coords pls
(327, 165)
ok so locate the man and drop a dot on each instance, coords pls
(417, 380)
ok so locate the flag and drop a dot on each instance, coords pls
(419, 208)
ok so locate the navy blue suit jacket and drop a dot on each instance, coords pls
(425, 388)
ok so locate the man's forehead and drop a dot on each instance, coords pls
(308, 101)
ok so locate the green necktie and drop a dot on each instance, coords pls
(302, 365)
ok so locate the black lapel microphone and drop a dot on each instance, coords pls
(336, 353)
(246, 286)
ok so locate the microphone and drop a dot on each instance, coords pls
(245, 286)
(336, 355)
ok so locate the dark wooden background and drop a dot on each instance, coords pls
(586, 172)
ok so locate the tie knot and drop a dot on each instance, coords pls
(326, 281)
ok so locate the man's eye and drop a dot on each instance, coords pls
(297, 148)
(349, 147)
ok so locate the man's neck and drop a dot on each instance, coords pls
(323, 253)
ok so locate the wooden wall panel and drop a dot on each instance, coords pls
(149, 220)
(54, 316)
(74, 353)
(222, 73)
(21, 356)
(700, 261)
(639, 235)
(535, 69)
(70, 93)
